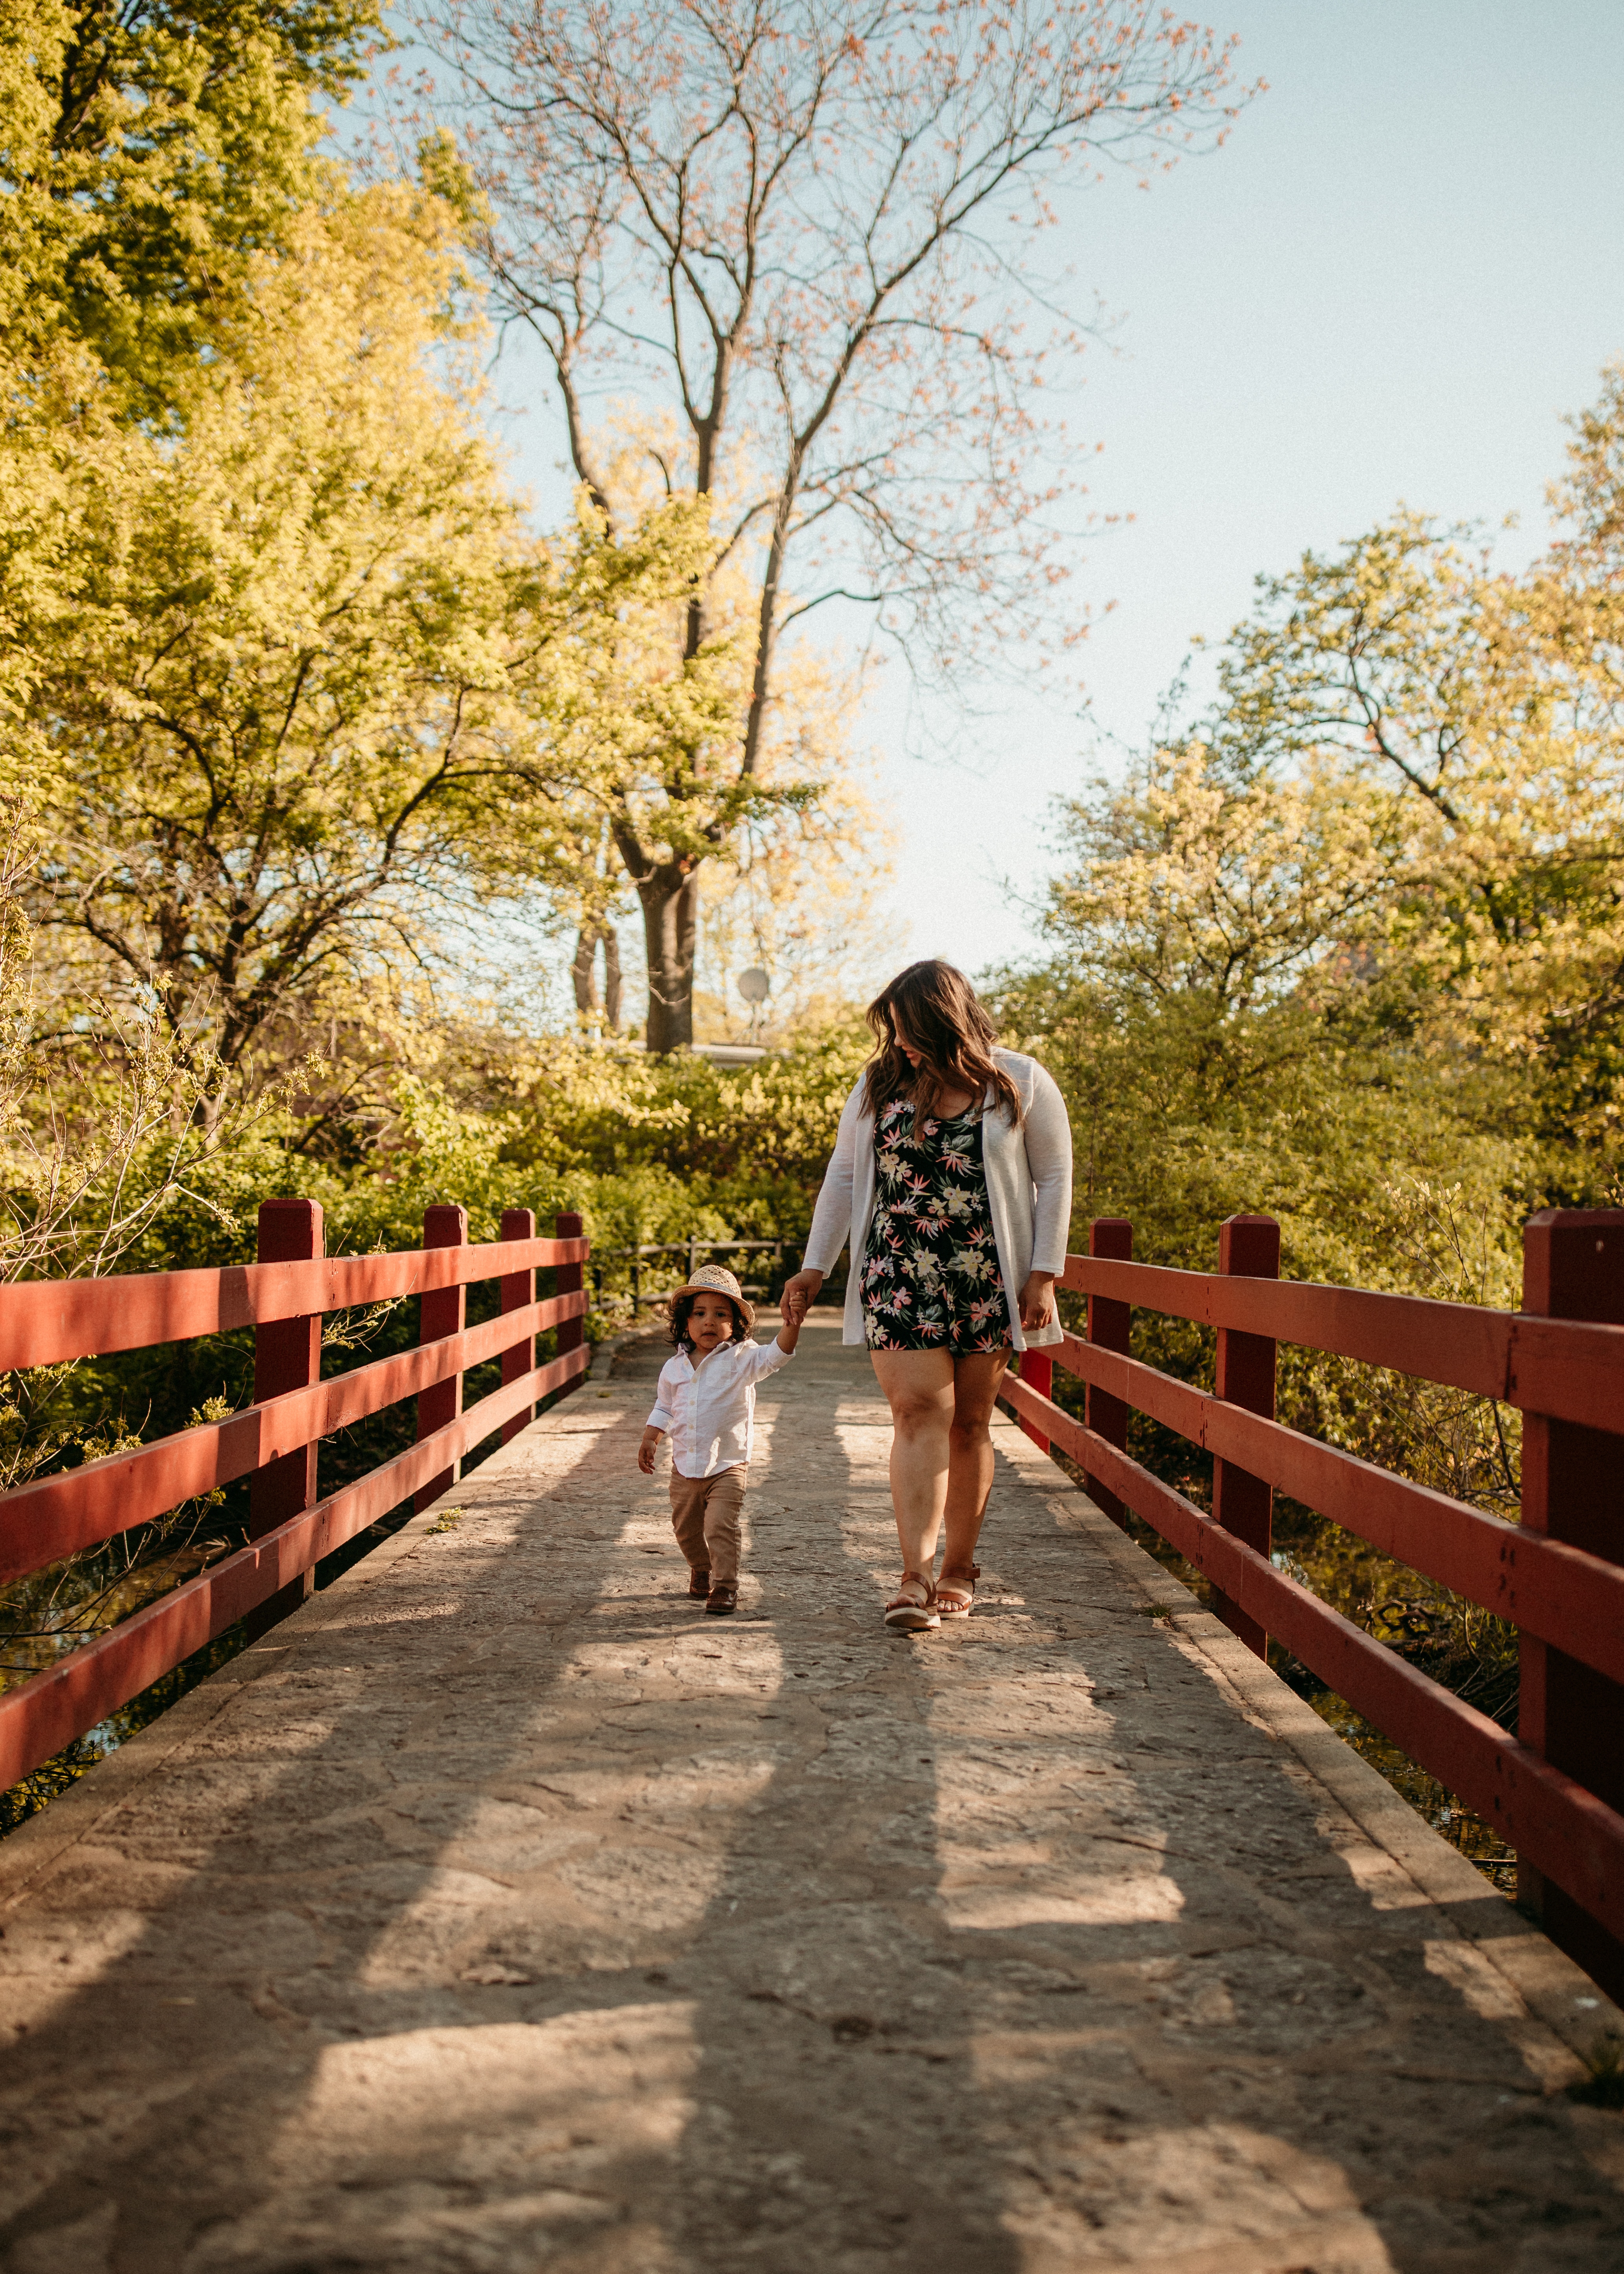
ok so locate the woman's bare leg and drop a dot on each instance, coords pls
(920, 1389)
(941, 1448)
(969, 1470)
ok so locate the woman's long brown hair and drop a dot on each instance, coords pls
(936, 1007)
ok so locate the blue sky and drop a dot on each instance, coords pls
(1404, 268)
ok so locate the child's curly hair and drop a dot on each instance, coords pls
(682, 1310)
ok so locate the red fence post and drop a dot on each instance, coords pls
(518, 1293)
(1248, 1248)
(567, 1281)
(1036, 1369)
(442, 1311)
(1110, 1322)
(287, 1356)
(1572, 1490)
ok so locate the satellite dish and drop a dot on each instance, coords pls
(754, 984)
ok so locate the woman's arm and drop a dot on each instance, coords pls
(831, 1218)
(1049, 1159)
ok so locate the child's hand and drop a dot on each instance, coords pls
(645, 1451)
(797, 1296)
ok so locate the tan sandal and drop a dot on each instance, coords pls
(955, 1593)
(913, 1608)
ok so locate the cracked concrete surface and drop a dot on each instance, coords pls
(500, 1911)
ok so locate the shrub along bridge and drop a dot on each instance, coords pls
(491, 1910)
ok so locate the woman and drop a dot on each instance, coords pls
(952, 1177)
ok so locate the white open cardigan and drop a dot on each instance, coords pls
(1028, 1185)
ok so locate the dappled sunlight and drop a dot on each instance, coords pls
(522, 1917)
(1205, 2196)
(1118, 1900)
(565, 1854)
(490, 2144)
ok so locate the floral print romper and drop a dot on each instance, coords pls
(930, 1275)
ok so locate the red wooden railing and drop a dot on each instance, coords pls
(283, 1297)
(1555, 1791)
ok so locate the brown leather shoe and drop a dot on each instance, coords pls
(698, 1584)
(721, 1602)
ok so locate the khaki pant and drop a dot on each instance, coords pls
(704, 1516)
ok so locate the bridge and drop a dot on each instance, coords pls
(492, 1911)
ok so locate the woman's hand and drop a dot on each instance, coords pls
(1037, 1300)
(800, 1293)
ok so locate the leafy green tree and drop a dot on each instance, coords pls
(1484, 710)
(313, 685)
(147, 152)
(1353, 955)
(1227, 1034)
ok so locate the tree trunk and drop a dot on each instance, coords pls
(611, 980)
(669, 899)
(584, 972)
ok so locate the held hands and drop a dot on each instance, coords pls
(645, 1450)
(798, 1295)
(1037, 1300)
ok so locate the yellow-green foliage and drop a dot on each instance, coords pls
(1352, 954)
(308, 681)
(647, 1148)
(145, 153)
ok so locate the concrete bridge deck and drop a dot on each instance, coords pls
(500, 1912)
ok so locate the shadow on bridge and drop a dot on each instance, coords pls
(502, 1913)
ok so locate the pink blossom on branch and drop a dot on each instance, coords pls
(806, 232)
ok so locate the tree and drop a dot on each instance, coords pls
(1368, 924)
(590, 938)
(152, 155)
(1221, 887)
(1236, 1028)
(793, 232)
(1484, 709)
(147, 152)
(312, 659)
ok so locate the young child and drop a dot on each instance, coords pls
(707, 1400)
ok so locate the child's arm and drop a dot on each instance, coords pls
(761, 1358)
(658, 1423)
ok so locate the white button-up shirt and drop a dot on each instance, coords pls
(710, 1408)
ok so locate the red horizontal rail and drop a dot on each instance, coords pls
(1579, 1840)
(41, 1523)
(1558, 1593)
(1567, 1368)
(47, 1321)
(43, 1714)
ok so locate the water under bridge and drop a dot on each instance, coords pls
(495, 1911)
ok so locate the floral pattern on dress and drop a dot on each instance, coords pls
(930, 1267)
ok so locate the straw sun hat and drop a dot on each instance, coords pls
(711, 1279)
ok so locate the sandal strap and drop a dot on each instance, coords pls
(901, 1601)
